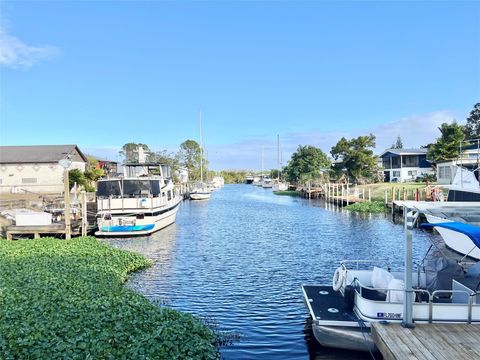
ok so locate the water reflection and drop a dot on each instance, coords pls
(241, 257)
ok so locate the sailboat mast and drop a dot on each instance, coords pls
(262, 163)
(201, 149)
(278, 157)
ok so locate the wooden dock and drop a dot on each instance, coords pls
(39, 230)
(427, 341)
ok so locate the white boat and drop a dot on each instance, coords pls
(280, 186)
(267, 182)
(135, 205)
(218, 182)
(360, 294)
(201, 191)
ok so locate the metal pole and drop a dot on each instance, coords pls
(408, 301)
(66, 189)
(84, 214)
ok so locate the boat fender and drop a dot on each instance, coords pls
(338, 279)
(349, 297)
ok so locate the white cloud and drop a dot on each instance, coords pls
(415, 131)
(16, 54)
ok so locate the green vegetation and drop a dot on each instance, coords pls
(306, 164)
(356, 157)
(472, 127)
(368, 207)
(288, 192)
(447, 146)
(66, 300)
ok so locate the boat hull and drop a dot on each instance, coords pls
(344, 337)
(154, 224)
(454, 240)
(200, 196)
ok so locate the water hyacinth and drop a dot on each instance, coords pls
(66, 299)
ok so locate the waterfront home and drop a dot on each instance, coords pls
(401, 165)
(36, 168)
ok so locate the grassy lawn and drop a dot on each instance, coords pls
(65, 299)
(378, 190)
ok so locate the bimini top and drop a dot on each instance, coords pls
(473, 232)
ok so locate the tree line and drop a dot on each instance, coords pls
(351, 160)
(355, 161)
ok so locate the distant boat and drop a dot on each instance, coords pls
(200, 190)
(278, 184)
(218, 182)
(267, 182)
(249, 179)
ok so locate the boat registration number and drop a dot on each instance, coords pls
(389, 315)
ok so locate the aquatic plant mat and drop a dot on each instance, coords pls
(66, 299)
(288, 192)
(368, 207)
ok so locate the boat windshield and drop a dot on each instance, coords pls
(131, 188)
(109, 188)
(136, 187)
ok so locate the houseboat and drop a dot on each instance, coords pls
(141, 202)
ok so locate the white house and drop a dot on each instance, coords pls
(403, 165)
(36, 168)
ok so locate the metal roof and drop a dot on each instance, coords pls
(421, 151)
(39, 154)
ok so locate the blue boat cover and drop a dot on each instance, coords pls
(473, 232)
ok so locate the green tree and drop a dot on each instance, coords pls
(129, 151)
(447, 146)
(189, 157)
(398, 144)
(356, 158)
(306, 163)
(77, 176)
(472, 128)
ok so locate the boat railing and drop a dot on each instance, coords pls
(470, 295)
(424, 296)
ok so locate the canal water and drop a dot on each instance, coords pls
(239, 259)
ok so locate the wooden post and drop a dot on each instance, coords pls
(84, 214)
(347, 194)
(66, 189)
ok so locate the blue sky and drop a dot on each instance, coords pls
(101, 74)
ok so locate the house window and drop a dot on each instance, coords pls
(29, 180)
(412, 173)
(396, 173)
(444, 172)
(410, 160)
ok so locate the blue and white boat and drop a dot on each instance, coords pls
(141, 203)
